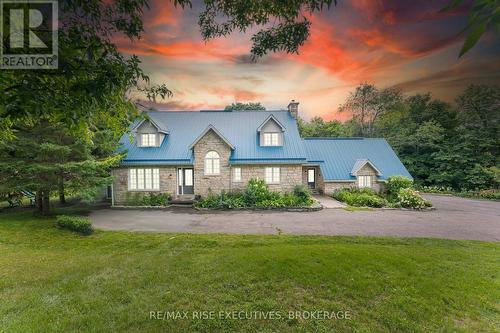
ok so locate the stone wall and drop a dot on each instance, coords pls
(120, 183)
(290, 176)
(331, 187)
(203, 184)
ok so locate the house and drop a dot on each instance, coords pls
(197, 153)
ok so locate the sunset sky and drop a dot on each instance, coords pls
(387, 43)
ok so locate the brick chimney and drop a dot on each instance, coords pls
(293, 108)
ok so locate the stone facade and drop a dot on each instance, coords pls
(204, 184)
(168, 183)
(331, 187)
(290, 176)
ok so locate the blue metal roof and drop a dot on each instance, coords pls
(238, 127)
(338, 156)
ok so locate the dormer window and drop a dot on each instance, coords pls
(271, 139)
(271, 132)
(148, 140)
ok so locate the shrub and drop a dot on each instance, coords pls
(156, 199)
(78, 224)
(395, 183)
(302, 192)
(360, 198)
(409, 198)
(256, 191)
(257, 195)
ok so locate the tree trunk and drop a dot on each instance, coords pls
(46, 202)
(62, 198)
(38, 200)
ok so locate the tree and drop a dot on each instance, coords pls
(284, 25)
(484, 15)
(367, 103)
(45, 158)
(317, 127)
(245, 107)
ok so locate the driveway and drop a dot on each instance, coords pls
(454, 218)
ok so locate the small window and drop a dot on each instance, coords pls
(212, 163)
(148, 140)
(271, 139)
(144, 179)
(364, 181)
(272, 175)
(237, 175)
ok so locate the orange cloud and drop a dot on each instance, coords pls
(235, 94)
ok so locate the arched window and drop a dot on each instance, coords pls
(212, 163)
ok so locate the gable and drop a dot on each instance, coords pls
(364, 167)
(271, 124)
(211, 132)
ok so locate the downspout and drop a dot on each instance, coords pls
(112, 195)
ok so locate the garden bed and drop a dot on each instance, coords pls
(399, 194)
(257, 196)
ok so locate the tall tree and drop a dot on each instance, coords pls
(367, 103)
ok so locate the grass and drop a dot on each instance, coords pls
(53, 280)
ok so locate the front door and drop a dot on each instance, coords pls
(311, 178)
(185, 181)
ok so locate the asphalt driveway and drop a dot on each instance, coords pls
(454, 218)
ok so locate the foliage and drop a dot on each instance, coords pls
(77, 224)
(367, 103)
(395, 183)
(484, 15)
(245, 107)
(281, 26)
(302, 191)
(256, 191)
(257, 195)
(410, 198)
(147, 199)
(490, 194)
(317, 127)
(359, 197)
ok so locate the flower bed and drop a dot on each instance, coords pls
(399, 194)
(258, 196)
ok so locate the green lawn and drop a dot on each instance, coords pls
(55, 281)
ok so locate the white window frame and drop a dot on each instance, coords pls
(271, 139)
(148, 140)
(364, 181)
(272, 175)
(212, 163)
(237, 174)
(144, 179)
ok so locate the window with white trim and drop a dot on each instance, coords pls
(143, 179)
(271, 139)
(236, 174)
(212, 163)
(148, 140)
(364, 181)
(272, 175)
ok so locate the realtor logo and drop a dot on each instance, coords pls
(28, 32)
